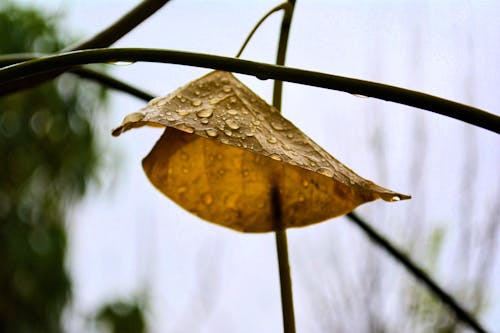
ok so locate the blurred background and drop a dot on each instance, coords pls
(88, 245)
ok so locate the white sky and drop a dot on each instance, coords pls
(126, 238)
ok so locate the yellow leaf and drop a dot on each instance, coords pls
(225, 150)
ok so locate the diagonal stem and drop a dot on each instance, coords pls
(105, 38)
(250, 35)
(418, 273)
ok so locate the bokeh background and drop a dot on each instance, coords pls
(132, 257)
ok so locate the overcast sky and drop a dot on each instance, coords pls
(126, 238)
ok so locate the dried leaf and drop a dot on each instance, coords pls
(241, 150)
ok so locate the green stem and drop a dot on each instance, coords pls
(420, 100)
(281, 238)
(418, 273)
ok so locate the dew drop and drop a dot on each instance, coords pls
(232, 112)
(289, 135)
(256, 122)
(133, 117)
(161, 102)
(197, 93)
(395, 198)
(275, 157)
(196, 102)
(277, 126)
(272, 140)
(181, 189)
(212, 132)
(226, 89)
(305, 183)
(301, 199)
(232, 124)
(326, 172)
(233, 100)
(185, 128)
(205, 113)
(214, 101)
(185, 170)
(228, 132)
(182, 112)
(204, 121)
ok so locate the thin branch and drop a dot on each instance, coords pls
(281, 237)
(416, 99)
(250, 35)
(105, 38)
(418, 273)
(123, 26)
(112, 83)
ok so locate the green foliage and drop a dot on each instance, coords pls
(122, 317)
(48, 153)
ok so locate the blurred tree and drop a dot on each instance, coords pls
(48, 154)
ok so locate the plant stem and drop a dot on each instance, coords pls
(416, 99)
(418, 273)
(250, 35)
(281, 238)
(283, 265)
(105, 38)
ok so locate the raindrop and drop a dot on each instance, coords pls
(182, 112)
(232, 124)
(204, 120)
(181, 189)
(133, 117)
(395, 198)
(301, 199)
(197, 93)
(245, 173)
(289, 135)
(196, 102)
(256, 122)
(226, 89)
(185, 128)
(185, 170)
(305, 183)
(205, 113)
(214, 101)
(272, 140)
(228, 132)
(232, 112)
(277, 126)
(121, 63)
(162, 102)
(232, 99)
(326, 172)
(275, 157)
(212, 132)
(360, 96)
